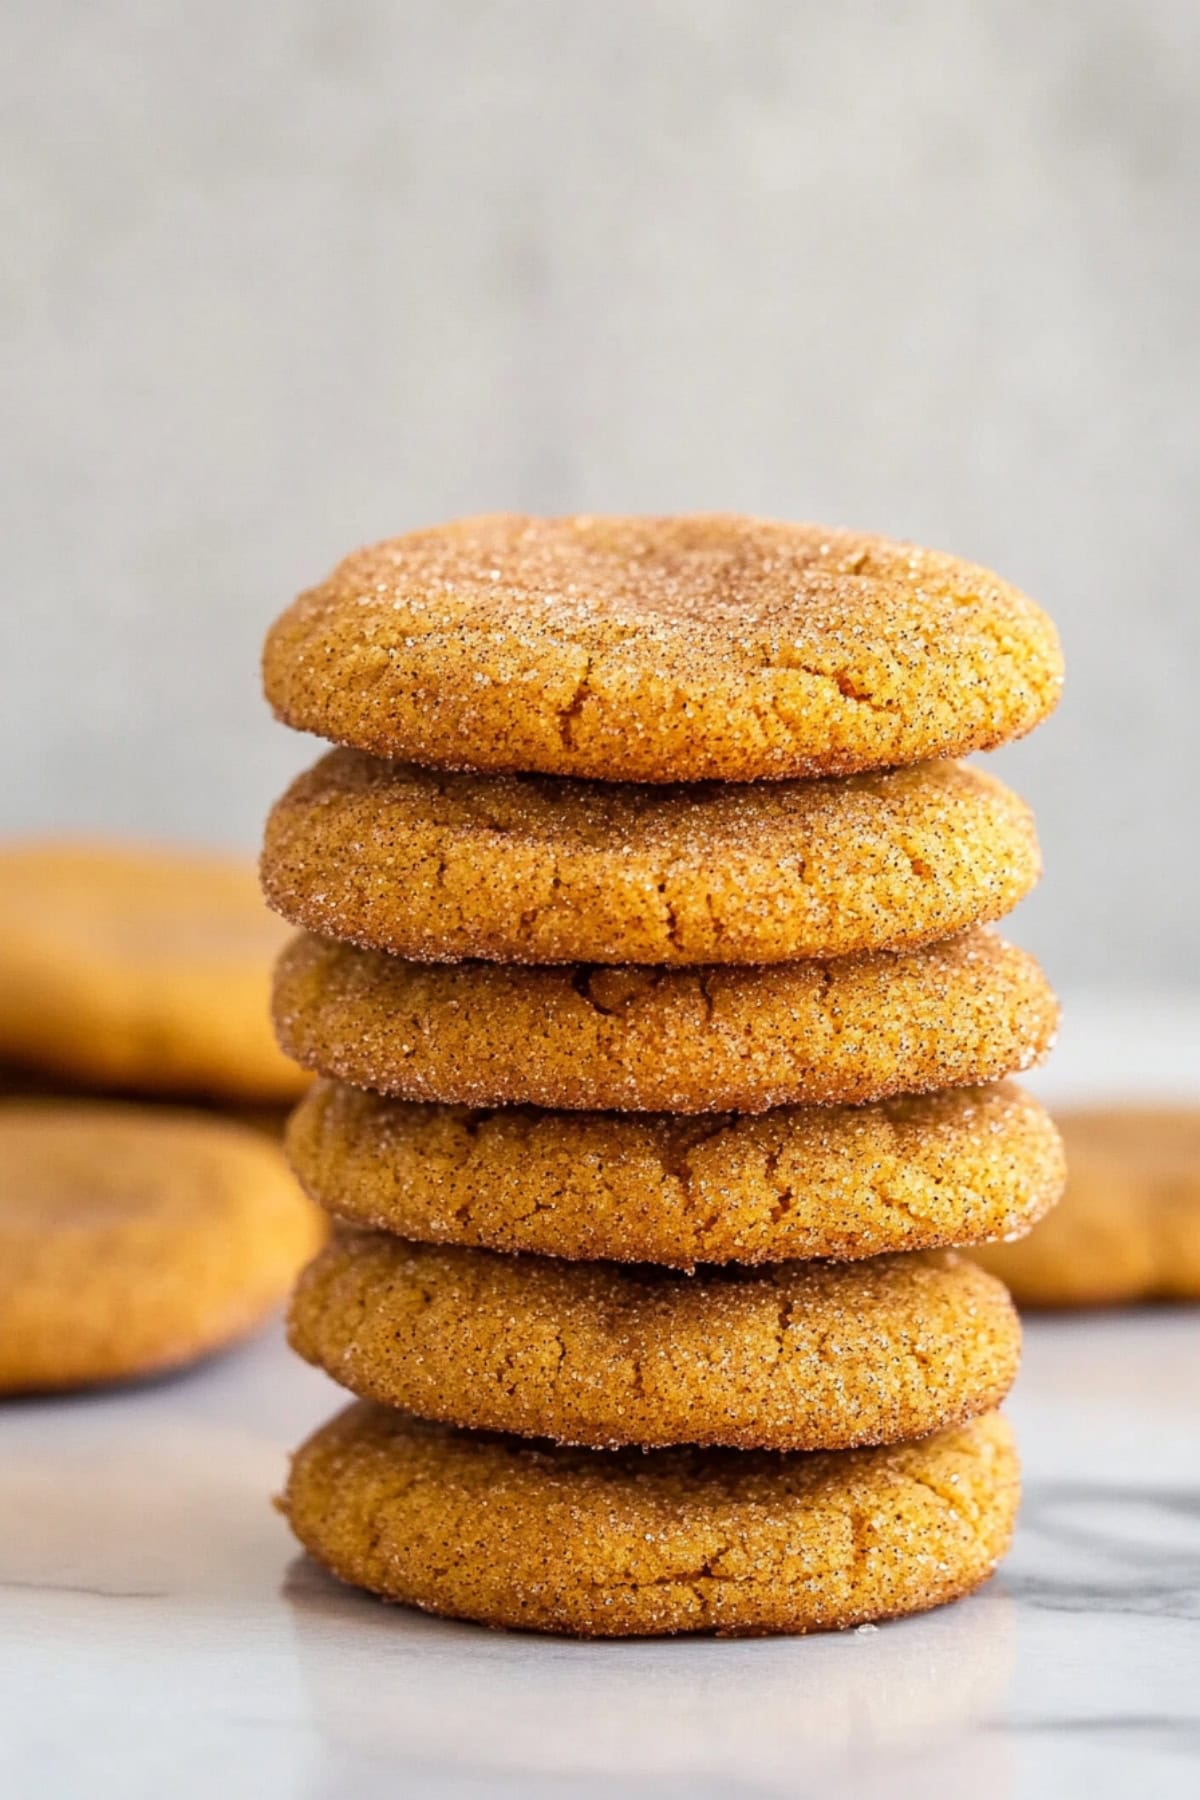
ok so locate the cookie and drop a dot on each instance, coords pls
(139, 969)
(660, 649)
(643, 1543)
(961, 1167)
(953, 1014)
(796, 1356)
(27, 1084)
(533, 869)
(134, 1239)
(1128, 1227)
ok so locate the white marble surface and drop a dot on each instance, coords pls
(159, 1636)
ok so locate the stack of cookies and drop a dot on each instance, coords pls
(664, 1049)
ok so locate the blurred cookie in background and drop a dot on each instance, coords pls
(140, 970)
(1128, 1227)
(27, 1084)
(135, 1239)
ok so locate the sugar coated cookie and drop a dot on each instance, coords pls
(146, 970)
(963, 1167)
(643, 1543)
(956, 1013)
(660, 649)
(796, 1356)
(1128, 1227)
(134, 1239)
(527, 868)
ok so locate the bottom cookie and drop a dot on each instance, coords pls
(645, 1543)
(1128, 1226)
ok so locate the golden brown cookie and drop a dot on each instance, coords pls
(963, 1167)
(1128, 1227)
(139, 969)
(660, 649)
(134, 1239)
(533, 869)
(954, 1014)
(795, 1356)
(638, 1543)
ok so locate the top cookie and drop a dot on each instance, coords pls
(144, 970)
(660, 649)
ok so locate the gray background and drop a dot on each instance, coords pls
(279, 278)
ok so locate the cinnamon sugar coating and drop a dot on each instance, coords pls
(699, 647)
(538, 869)
(795, 1356)
(963, 1167)
(957, 1013)
(633, 1543)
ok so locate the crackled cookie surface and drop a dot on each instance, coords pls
(643, 1543)
(526, 868)
(139, 969)
(1128, 1227)
(136, 1238)
(957, 1013)
(795, 1356)
(914, 1173)
(660, 649)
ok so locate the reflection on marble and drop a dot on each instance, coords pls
(158, 1633)
(693, 1708)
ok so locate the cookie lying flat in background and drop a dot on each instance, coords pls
(135, 1239)
(1128, 1226)
(140, 970)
